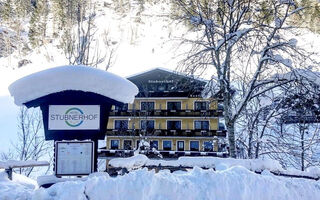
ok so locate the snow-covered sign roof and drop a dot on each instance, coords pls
(77, 78)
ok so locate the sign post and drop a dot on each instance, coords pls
(75, 102)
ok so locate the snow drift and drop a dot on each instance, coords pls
(233, 183)
(79, 78)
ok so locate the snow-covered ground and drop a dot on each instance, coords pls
(232, 183)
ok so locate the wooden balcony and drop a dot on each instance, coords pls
(168, 113)
(163, 132)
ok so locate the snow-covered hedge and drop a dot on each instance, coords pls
(254, 165)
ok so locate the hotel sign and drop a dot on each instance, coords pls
(74, 117)
(160, 81)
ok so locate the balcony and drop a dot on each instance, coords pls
(168, 113)
(163, 132)
(106, 153)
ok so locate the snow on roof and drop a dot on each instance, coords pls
(79, 78)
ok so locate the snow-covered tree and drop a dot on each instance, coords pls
(242, 41)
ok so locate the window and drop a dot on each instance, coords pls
(180, 145)
(221, 127)
(154, 144)
(208, 146)
(147, 125)
(121, 125)
(194, 145)
(127, 144)
(147, 106)
(174, 125)
(124, 107)
(201, 125)
(173, 105)
(114, 144)
(167, 144)
(201, 105)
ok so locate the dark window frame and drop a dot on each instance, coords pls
(127, 147)
(152, 144)
(166, 148)
(202, 125)
(123, 126)
(205, 147)
(175, 126)
(148, 106)
(112, 144)
(124, 107)
(192, 148)
(174, 107)
(147, 124)
(178, 149)
(204, 105)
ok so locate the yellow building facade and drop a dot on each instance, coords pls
(168, 116)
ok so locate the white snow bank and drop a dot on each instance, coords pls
(20, 187)
(233, 183)
(206, 162)
(80, 78)
(130, 162)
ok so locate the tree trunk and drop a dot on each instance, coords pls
(302, 128)
(250, 143)
(231, 138)
(257, 150)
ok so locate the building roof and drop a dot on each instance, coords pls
(160, 82)
(166, 70)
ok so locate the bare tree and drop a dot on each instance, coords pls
(81, 44)
(30, 143)
(248, 40)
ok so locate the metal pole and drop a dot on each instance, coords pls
(95, 166)
(9, 172)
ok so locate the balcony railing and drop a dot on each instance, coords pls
(166, 154)
(184, 113)
(163, 132)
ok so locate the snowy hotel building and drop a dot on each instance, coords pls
(169, 115)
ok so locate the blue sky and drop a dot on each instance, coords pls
(8, 122)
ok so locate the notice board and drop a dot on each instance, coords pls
(74, 158)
